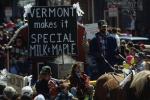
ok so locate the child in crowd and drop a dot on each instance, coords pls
(64, 93)
(129, 60)
(53, 88)
(46, 85)
(79, 83)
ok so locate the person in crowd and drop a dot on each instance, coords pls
(139, 61)
(129, 61)
(122, 55)
(9, 25)
(27, 92)
(122, 48)
(103, 48)
(19, 23)
(19, 47)
(3, 41)
(130, 45)
(40, 97)
(53, 88)
(42, 86)
(114, 34)
(141, 47)
(9, 92)
(109, 29)
(19, 63)
(21, 66)
(64, 93)
(133, 48)
(79, 82)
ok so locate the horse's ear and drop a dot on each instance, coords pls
(148, 77)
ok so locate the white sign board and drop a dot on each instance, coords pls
(91, 29)
(113, 11)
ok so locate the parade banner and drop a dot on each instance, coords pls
(52, 31)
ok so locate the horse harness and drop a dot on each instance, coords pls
(115, 77)
(118, 82)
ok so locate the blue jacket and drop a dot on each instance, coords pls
(95, 49)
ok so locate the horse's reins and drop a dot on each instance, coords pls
(121, 57)
(114, 78)
(106, 61)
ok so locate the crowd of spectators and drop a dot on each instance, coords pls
(16, 51)
(75, 87)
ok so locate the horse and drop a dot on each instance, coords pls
(107, 87)
(112, 86)
(140, 86)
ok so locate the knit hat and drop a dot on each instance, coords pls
(27, 90)
(39, 97)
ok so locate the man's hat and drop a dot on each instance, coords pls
(102, 23)
(46, 70)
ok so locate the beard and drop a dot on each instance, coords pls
(103, 33)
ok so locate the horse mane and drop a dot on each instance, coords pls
(139, 82)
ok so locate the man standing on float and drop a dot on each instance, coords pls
(103, 49)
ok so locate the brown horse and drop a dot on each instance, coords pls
(108, 87)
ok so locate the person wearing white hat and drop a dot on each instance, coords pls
(39, 97)
(9, 92)
(27, 90)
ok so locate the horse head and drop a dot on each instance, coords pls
(107, 87)
(140, 86)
